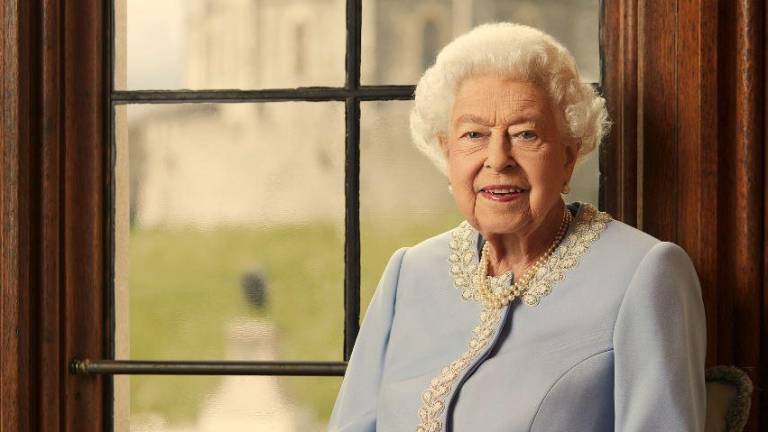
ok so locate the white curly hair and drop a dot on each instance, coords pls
(512, 50)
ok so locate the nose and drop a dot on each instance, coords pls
(499, 157)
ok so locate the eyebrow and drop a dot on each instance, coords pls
(472, 118)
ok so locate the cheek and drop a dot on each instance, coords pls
(461, 172)
(547, 174)
(461, 175)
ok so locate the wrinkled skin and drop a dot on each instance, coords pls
(505, 134)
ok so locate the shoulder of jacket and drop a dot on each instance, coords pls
(434, 247)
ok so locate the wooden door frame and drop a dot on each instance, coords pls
(54, 175)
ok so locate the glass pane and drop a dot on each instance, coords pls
(404, 199)
(233, 44)
(585, 180)
(228, 403)
(401, 38)
(236, 215)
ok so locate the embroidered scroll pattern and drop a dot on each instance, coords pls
(433, 399)
(567, 254)
(463, 261)
(463, 268)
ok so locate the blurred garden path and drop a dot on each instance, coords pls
(245, 403)
(249, 404)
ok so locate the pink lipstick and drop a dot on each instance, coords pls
(502, 193)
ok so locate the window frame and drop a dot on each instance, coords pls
(685, 89)
(352, 94)
(64, 88)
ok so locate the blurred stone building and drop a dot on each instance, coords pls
(275, 163)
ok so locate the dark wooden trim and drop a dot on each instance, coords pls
(85, 149)
(618, 154)
(763, 406)
(49, 299)
(742, 64)
(696, 129)
(740, 206)
(52, 185)
(657, 83)
(14, 299)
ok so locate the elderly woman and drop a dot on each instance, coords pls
(531, 315)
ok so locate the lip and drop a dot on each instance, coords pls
(487, 192)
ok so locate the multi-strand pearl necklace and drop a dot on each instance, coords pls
(520, 286)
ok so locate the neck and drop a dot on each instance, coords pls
(519, 251)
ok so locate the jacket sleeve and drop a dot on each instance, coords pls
(659, 346)
(355, 408)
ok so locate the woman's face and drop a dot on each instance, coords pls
(508, 157)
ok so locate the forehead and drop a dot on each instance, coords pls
(496, 97)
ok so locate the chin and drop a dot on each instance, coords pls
(508, 224)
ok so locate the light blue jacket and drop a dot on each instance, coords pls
(617, 344)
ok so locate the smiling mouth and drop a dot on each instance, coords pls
(503, 190)
(502, 193)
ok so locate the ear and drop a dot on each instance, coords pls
(571, 155)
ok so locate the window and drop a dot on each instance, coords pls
(252, 224)
(670, 80)
(300, 50)
(429, 44)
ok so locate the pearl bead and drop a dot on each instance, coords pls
(520, 287)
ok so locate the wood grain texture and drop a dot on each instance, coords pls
(83, 209)
(747, 190)
(740, 192)
(618, 154)
(49, 359)
(9, 285)
(657, 74)
(763, 399)
(700, 139)
(14, 299)
(54, 154)
(697, 129)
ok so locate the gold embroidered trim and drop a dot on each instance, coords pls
(433, 399)
(464, 270)
(463, 262)
(591, 224)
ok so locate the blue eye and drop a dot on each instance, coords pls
(527, 136)
(472, 134)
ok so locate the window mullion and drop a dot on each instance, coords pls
(352, 180)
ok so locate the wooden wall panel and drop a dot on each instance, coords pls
(619, 155)
(763, 407)
(48, 356)
(696, 131)
(53, 160)
(14, 242)
(85, 152)
(699, 119)
(742, 231)
(657, 74)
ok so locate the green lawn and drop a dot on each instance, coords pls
(185, 287)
